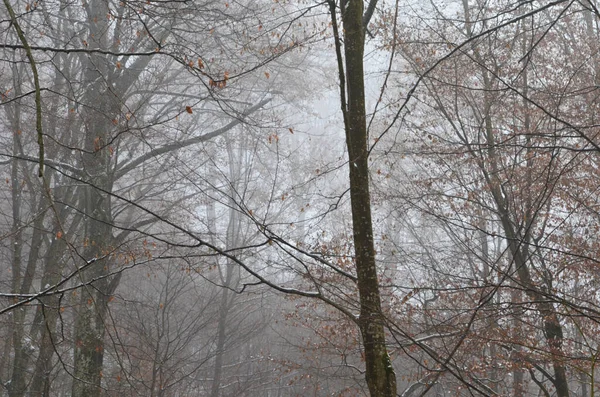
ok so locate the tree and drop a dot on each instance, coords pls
(497, 149)
(161, 127)
(380, 374)
(102, 85)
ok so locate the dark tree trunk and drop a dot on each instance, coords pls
(380, 375)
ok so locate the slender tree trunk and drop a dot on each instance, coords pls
(380, 375)
(582, 376)
(518, 386)
(517, 245)
(491, 321)
(221, 335)
(228, 278)
(17, 385)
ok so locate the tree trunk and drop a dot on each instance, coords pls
(95, 295)
(221, 335)
(40, 385)
(518, 386)
(228, 278)
(96, 204)
(380, 375)
(518, 248)
(17, 385)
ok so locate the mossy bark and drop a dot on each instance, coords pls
(380, 375)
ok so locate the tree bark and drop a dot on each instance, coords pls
(99, 78)
(380, 375)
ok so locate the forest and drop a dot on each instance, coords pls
(273, 198)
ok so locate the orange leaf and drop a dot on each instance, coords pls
(58, 234)
(267, 75)
(188, 109)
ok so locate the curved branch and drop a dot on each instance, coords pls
(126, 168)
